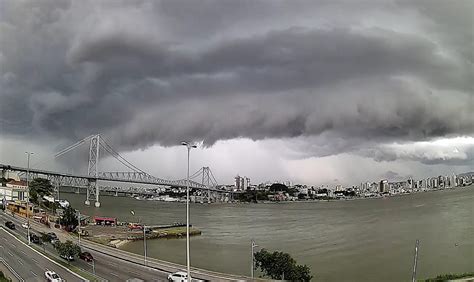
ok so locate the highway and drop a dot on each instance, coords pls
(106, 267)
(30, 265)
(110, 264)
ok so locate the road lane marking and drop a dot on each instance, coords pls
(114, 264)
(34, 274)
(116, 275)
(38, 263)
(5, 239)
(25, 254)
(42, 255)
(20, 262)
(10, 254)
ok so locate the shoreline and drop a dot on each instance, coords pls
(358, 198)
(117, 238)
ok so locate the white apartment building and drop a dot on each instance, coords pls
(14, 191)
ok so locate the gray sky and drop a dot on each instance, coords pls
(308, 91)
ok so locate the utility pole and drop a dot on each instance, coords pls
(252, 263)
(415, 262)
(28, 198)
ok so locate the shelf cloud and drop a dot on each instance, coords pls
(376, 79)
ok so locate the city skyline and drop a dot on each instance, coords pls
(313, 91)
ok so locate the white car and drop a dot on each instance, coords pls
(52, 276)
(179, 276)
(25, 225)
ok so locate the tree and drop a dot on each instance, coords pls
(68, 249)
(39, 188)
(279, 265)
(276, 187)
(69, 218)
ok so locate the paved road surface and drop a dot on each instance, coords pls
(115, 264)
(29, 264)
(106, 267)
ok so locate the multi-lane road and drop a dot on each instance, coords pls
(109, 264)
(31, 265)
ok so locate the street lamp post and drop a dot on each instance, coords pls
(144, 243)
(28, 198)
(252, 264)
(79, 218)
(188, 264)
(144, 237)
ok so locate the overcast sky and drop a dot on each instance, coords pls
(316, 92)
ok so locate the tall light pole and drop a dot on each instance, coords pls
(144, 237)
(144, 243)
(28, 198)
(79, 233)
(415, 261)
(188, 264)
(252, 264)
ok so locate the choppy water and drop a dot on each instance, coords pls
(361, 240)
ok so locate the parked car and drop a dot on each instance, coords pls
(10, 224)
(26, 225)
(52, 238)
(86, 256)
(52, 276)
(35, 239)
(66, 257)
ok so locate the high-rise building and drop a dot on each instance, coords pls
(384, 188)
(242, 182)
(237, 182)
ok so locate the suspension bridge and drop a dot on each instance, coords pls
(207, 184)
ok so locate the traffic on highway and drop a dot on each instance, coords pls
(31, 264)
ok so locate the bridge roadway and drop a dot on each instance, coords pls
(110, 264)
(124, 177)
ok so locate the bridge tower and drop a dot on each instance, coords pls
(206, 180)
(93, 171)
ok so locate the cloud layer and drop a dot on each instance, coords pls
(327, 76)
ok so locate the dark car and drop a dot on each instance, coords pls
(35, 239)
(67, 257)
(52, 237)
(10, 224)
(86, 256)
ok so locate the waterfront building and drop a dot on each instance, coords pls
(14, 191)
(383, 188)
(237, 182)
(242, 182)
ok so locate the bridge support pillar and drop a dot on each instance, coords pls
(87, 202)
(97, 203)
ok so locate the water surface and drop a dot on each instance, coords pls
(360, 240)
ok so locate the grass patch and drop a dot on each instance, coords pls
(449, 276)
(173, 232)
(100, 240)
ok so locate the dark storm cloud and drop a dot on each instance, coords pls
(146, 72)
